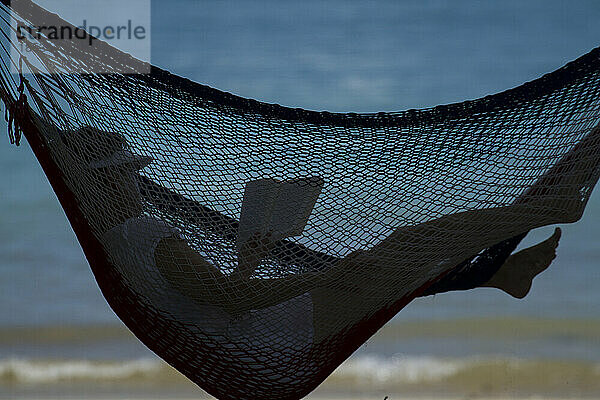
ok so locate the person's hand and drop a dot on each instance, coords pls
(251, 254)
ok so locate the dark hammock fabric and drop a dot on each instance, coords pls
(410, 203)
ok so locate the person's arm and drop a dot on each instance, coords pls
(251, 254)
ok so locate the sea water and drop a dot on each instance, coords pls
(57, 334)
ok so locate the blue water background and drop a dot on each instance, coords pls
(337, 56)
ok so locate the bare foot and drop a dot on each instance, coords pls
(516, 274)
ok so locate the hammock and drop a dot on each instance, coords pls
(255, 247)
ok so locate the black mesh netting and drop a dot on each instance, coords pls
(254, 247)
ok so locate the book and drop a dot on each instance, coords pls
(278, 208)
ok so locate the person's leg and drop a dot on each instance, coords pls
(557, 197)
(581, 162)
(455, 237)
(515, 276)
(365, 281)
(496, 267)
(476, 270)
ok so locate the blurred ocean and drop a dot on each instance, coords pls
(57, 335)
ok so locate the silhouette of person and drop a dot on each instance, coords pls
(354, 285)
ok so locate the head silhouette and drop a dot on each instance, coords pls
(109, 171)
(95, 148)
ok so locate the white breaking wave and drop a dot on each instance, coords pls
(359, 371)
(375, 369)
(363, 369)
(34, 371)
